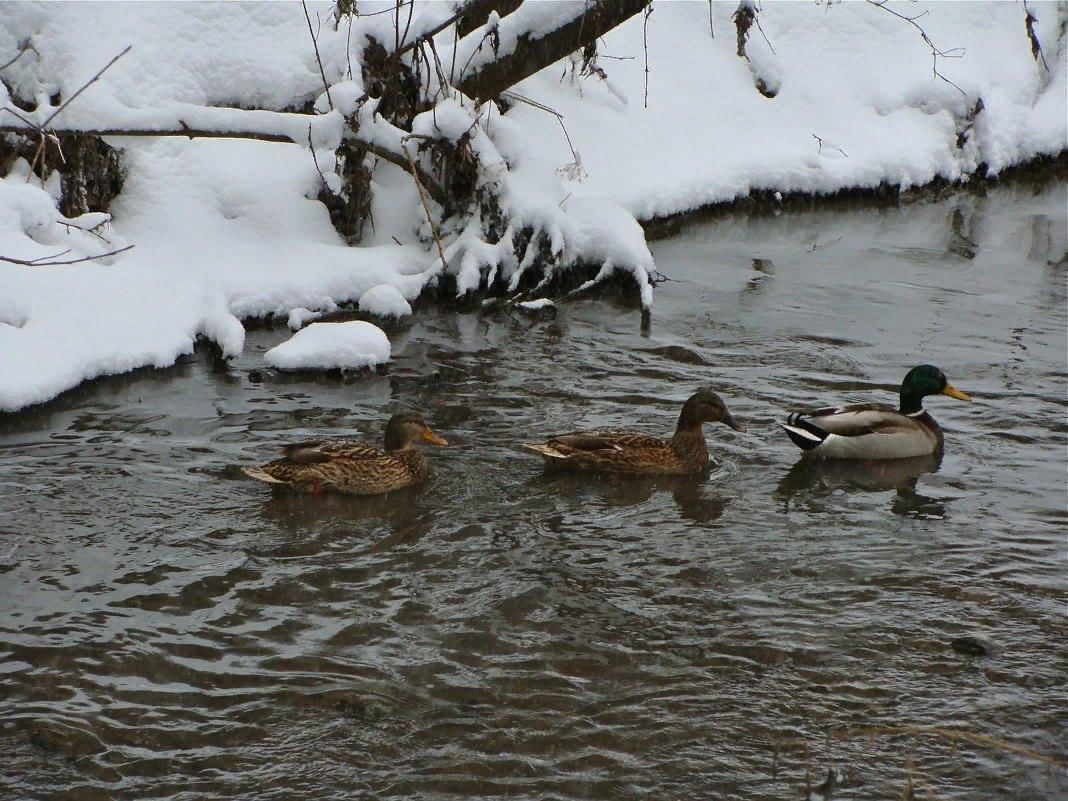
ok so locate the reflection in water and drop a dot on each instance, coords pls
(814, 477)
(694, 496)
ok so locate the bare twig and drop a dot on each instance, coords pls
(512, 95)
(85, 86)
(426, 208)
(955, 52)
(756, 19)
(45, 136)
(50, 261)
(711, 30)
(408, 24)
(315, 161)
(93, 230)
(645, 46)
(318, 59)
(348, 48)
(835, 147)
(29, 123)
(24, 48)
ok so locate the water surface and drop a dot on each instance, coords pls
(171, 630)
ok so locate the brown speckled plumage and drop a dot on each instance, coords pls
(632, 453)
(353, 467)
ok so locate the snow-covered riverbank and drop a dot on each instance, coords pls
(226, 229)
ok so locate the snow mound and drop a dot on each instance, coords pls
(331, 346)
(384, 300)
(536, 305)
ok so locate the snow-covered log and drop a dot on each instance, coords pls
(533, 37)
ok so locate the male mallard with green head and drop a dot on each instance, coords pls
(353, 467)
(876, 430)
(633, 453)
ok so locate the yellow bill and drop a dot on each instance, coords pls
(955, 393)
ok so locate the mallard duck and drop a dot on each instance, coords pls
(634, 453)
(875, 430)
(353, 467)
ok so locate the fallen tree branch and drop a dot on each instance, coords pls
(397, 159)
(535, 50)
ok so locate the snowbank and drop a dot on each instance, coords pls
(226, 229)
(331, 346)
(851, 74)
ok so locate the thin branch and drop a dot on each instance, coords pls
(25, 47)
(956, 52)
(318, 60)
(756, 19)
(93, 230)
(85, 86)
(29, 123)
(348, 48)
(645, 46)
(426, 208)
(315, 161)
(374, 13)
(541, 107)
(835, 147)
(711, 30)
(49, 261)
(432, 187)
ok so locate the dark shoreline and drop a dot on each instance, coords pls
(1035, 173)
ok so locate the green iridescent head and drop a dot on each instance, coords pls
(922, 381)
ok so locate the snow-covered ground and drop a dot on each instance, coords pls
(226, 229)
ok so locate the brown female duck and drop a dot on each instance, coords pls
(633, 453)
(353, 467)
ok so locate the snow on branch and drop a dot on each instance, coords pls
(533, 37)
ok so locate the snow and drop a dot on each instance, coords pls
(536, 305)
(332, 346)
(384, 300)
(226, 229)
(851, 73)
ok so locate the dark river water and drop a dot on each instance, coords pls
(170, 629)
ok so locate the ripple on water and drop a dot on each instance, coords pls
(173, 630)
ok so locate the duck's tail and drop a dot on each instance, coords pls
(260, 474)
(805, 435)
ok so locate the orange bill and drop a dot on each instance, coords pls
(432, 438)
